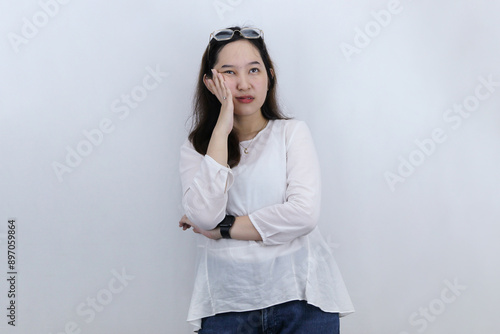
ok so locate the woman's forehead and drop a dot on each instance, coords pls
(239, 53)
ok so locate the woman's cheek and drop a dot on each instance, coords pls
(231, 85)
(260, 82)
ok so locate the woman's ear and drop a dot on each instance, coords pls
(207, 84)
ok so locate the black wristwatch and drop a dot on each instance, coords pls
(225, 225)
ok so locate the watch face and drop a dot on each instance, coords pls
(228, 221)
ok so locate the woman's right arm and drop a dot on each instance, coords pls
(205, 183)
(217, 147)
(206, 179)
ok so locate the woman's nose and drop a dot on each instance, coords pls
(243, 83)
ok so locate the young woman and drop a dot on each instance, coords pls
(251, 191)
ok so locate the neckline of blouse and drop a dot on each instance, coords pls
(258, 134)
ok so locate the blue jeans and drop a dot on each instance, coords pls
(295, 317)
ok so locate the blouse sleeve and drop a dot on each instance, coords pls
(298, 215)
(205, 183)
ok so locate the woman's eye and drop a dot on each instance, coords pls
(229, 72)
(254, 70)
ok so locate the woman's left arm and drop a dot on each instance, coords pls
(298, 215)
(242, 229)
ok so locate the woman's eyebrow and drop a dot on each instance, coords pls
(251, 63)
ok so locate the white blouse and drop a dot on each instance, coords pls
(277, 184)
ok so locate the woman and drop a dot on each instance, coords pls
(251, 191)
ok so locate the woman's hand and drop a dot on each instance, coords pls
(185, 223)
(218, 87)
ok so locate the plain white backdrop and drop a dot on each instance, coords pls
(403, 101)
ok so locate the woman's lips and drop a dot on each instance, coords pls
(245, 98)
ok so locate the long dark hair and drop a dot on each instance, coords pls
(207, 106)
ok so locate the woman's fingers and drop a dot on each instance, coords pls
(184, 226)
(184, 223)
(211, 85)
(219, 87)
(227, 91)
(218, 82)
(224, 89)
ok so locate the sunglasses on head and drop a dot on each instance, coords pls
(227, 34)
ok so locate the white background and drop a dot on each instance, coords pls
(118, 209)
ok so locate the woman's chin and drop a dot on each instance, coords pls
(246, 111)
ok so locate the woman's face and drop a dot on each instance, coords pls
(245, 75)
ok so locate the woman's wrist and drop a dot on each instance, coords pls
(217, 147)
(216, 233)
(220, 131)
(225, 121)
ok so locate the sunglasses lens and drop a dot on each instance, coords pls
(250, 33)
(222, 35)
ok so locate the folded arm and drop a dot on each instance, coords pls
(205, 197)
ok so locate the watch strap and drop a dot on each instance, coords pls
(225, 225)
